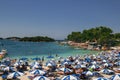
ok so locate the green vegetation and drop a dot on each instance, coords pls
(102, 35)
(32, 39)
(13, 38)
(37, 39)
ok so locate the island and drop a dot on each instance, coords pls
(32, 39)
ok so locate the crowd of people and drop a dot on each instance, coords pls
(104, 65)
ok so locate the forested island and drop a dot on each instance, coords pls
(98, 36)
(33, 39)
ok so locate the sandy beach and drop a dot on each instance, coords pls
(88, 67)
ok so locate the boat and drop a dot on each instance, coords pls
(3, 53)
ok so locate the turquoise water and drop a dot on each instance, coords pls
(18, 49)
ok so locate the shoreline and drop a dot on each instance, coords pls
(89, 46)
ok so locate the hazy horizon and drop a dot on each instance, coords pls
(56, 18)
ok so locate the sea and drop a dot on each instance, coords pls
(17, 49)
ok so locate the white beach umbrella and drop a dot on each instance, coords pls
(115, 77)
(106, 71)
(8, 68)
(34, 63)
(94, 66)
(49, 64)
(94, 62)
(88, 73)
(79, 66)
(117, 63)
(66, 70)
(70, 77)
(41, 78)
(36, 67)
(15, 74)
(38, 72)
(107, 64)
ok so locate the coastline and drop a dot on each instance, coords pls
(89, 46)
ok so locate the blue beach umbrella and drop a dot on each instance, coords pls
(107, 71)
(18, 63)
(41, 78)
(50, 57)
(94, 62)
(94, 66)
(8, 68)
(36, 59)
(37, 67)
(34, 63)
(115, 77)
(79, 66)
(117, 63)
(88, 73)
(24, 58)
(70, 77)
(50, 63)
(101, 78)
(87, 59)
(66, 70)
(38, 72)
(67, 62)
(15, 75)
(107, 64)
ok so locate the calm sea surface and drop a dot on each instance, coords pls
(18, 49)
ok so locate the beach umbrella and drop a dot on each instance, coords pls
(41, 78)
(70, 77)
(50, 63)
(107, 65)
(17, 64)
(107, 71)
(8, 68)
(94, 66)
(94, 62)
(117, 63)
(115, 77)
(37, 67)
(87, 59)
(104, 61)
(50, 57)
(34, 63)
(66, 70)
(15, 75)
(67, 63)
(2, 65)
(36, 59)
(88, 73)
(24, 58)
(101, 78)
(38, 72)
(79, 66)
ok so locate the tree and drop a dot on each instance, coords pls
(102, 35)
(74, 36)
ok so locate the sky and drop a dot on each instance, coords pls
(56, 18)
